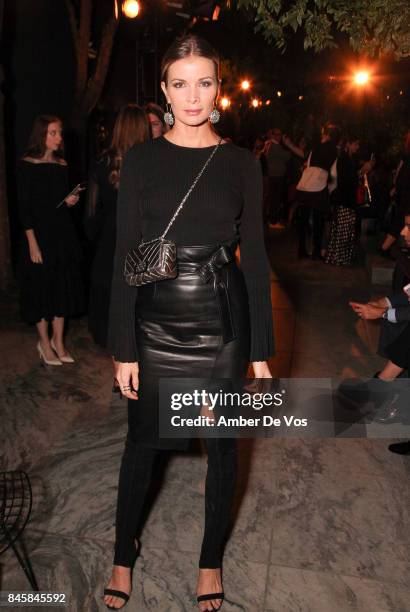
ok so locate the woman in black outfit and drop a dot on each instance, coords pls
(50, 263)
(131, 127)
(342, 239)
(315, 201)
(182, 327)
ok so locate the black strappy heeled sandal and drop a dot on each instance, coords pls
(115, 593)
(209, 596)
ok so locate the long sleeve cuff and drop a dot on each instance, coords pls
(260, 311)
(391, 315)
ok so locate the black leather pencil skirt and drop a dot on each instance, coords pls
(194, 326)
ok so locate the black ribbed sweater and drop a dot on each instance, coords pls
(225, 204)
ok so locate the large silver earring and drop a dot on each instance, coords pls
(214, 116)
(168, 116)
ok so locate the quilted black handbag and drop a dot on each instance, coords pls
(156, 259)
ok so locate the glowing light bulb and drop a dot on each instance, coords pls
(245, 85)
(225, 102)
(361, 78)
(131, 8)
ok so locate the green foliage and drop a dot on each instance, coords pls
(372, 26)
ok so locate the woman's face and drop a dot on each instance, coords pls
(353, 147)
(191, 89)
(54, 136)
(156, 125)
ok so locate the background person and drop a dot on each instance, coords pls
(312, 190)
(342, 241)
(131, 127)
(401, 191)
(276, 158)
(51, 283)
(396, 310)
(155, 115)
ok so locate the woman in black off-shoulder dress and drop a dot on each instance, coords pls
(194, 326)
(50, 275)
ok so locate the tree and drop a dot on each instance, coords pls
(89, 83)
(374, 27)
(5, 258)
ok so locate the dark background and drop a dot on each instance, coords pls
(39, 63)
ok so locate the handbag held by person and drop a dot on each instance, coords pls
(156, 259)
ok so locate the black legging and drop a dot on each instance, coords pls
(318, 226)
(135, 478)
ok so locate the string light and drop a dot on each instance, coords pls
(255, 103)
(225, 102)
(131, 8)
(279, 94)
(245, 85)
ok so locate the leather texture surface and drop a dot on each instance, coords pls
(150, 262)
(179, 333)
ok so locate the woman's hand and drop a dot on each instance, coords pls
(261, 369)
(72, 200)
(35, 253)
(127, 376)
(367, 167)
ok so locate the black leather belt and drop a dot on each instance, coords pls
(211, 270)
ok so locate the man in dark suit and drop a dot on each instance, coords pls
(396, 310)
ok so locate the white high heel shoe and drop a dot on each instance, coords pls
(53, 362)
(63, 358)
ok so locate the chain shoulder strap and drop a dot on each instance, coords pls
(178, 210)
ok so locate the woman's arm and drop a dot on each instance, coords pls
(25, 177)
(34, 249)
(256, 268)
(294, 148)
(121, 330)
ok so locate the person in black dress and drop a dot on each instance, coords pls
(181, 327)
(342, 241)
(131, 127)
(50, 262)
